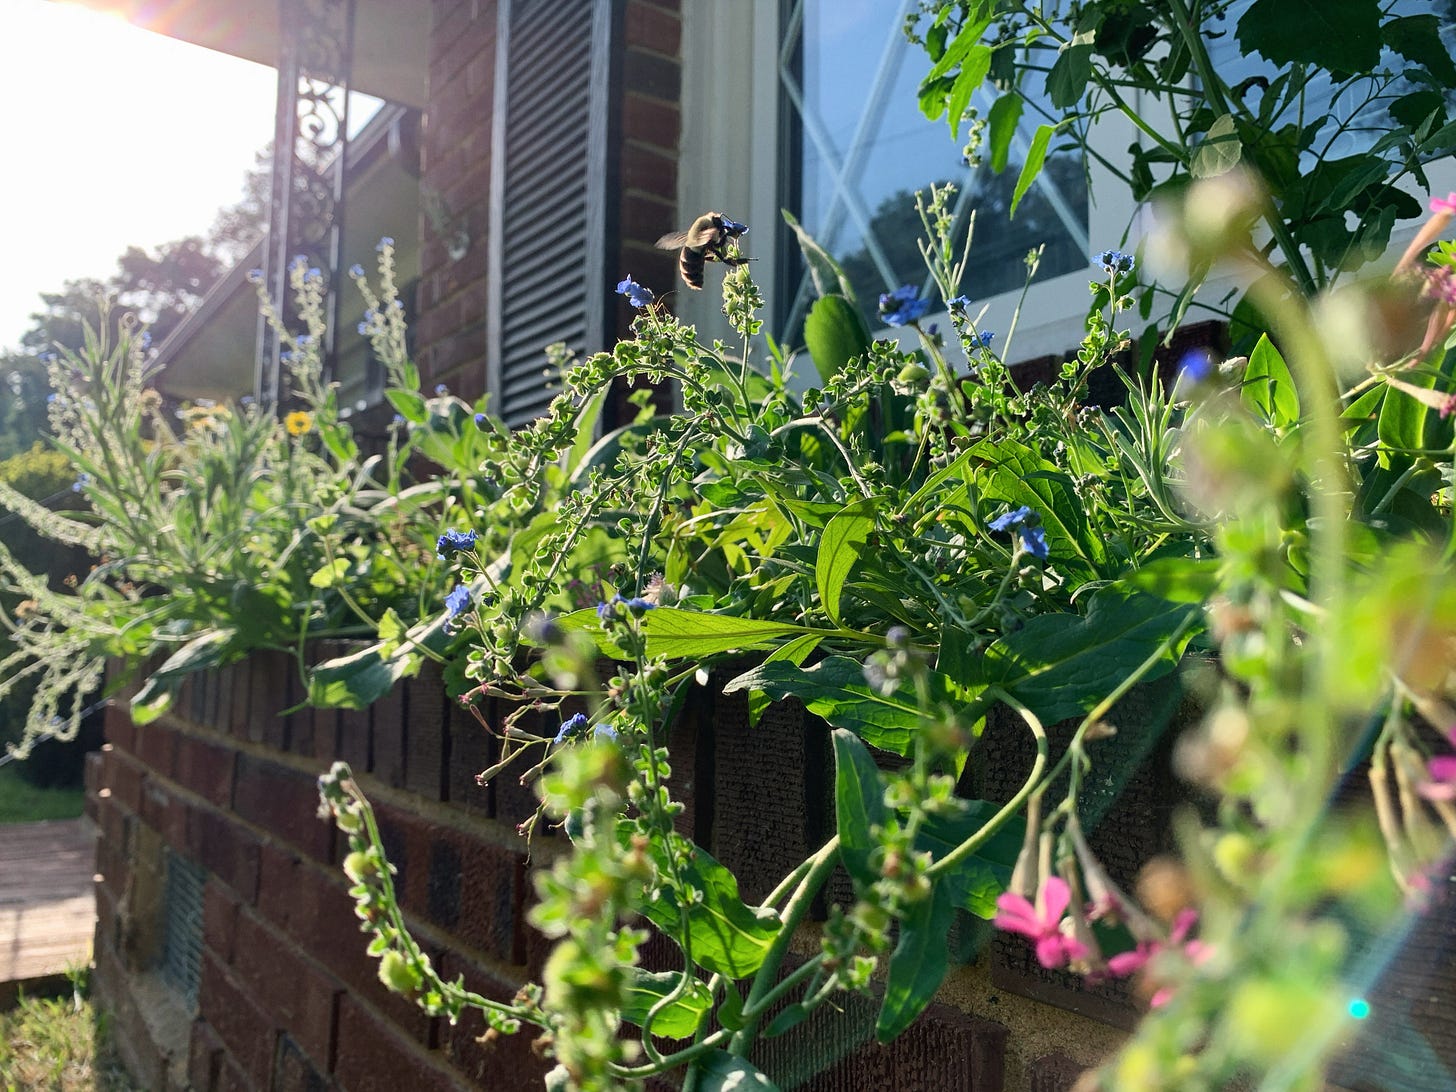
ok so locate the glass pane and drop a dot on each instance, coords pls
(860, 148)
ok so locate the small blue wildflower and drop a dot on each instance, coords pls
(82, 480)
(1014, 518)
(571, 727)
(958, 303)
(51, 397)
(146, 339)
(246, 400)
(364, 330)
(304, 339)
(636, 295)
(984, 338)
(1035, 540)
(605, 731)
(616, 606)
(441, 390)
(49, 358)
(398, 420)
(1114, 261)
(902, 306)
(286, 356)
(732, 227)
(314, 274)
(458, 600)
(1195, 366)
(385, 241)
(453, 542)
(482, 422)
(356, 270)
(255, 276)
(300, 261)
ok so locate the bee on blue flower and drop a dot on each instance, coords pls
(452, 542)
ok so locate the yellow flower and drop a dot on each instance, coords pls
(298, 422)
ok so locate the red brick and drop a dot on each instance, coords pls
(374, 1057)
(118, 726)
(654, 29)
(219, 918)
(294, 1071)
(325, 735)
(237, 689)
(164, 811)
(424, 767)
(645, 217)
(468, 887)
(240, 1023)
(294, 995)
(233, 1079)
(226, 849)
(206, 769)
(277, 882)
(355, 738)
(472, 750)
(284, 802)
(387, 727)
(123, 776)
(268, 699)
(204, 1057)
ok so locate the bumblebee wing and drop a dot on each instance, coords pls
(674, 240)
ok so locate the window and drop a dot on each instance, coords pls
(857, 148)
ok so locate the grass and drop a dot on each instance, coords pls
(59, 1045)
(22, 802)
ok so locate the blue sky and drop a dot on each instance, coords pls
(116, 137)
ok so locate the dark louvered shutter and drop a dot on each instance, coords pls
(549, 182)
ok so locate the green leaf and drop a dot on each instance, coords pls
(1001, 123)
(961, 45)
(1062, 665)
(980, 878)
(1035, 157)
(730, 1009)
(206, 650)
(719, 1071)
(408, 404)
(358, 680)
(1340, 35)
(834, 334)
(835, 689)
(1219, 151)
(1268, 388)
(679, 634)
(1402, 422)
(859, 805)
(972, 74)
(728, 937)
(1067, 81)
(918, 964)
(794, 652)
(1417, 38)
(1176, 579)
(839, 548)
(330, 574)
(678, 1020)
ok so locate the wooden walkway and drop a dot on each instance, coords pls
(47, 901)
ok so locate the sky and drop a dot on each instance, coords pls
(113, 137)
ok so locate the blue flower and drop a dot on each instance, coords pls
(356, 270)
(458, 600)
(984, 338)
(51, 397)
(1028, 524)
(299, 261)
(453, 542)
(364, 330)
(1014, 518)
(570, 728)
(615, 607)
(606, 731)
(82, 480)
(1196, 366)
(255, 276)
(441, 390)
(385, 241)
(146, 339)
(958, 303)
(732, 227)
(398, 419)
(482, 422)
(902, 306)
(636, 295)
(1114, 261)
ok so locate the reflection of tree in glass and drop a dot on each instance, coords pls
(1000, 243)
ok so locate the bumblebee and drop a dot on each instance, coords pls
(706, 241)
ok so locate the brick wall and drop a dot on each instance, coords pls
(287, 997)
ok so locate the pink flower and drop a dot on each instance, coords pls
(1195, 951)
(1445, 204)
(1042, 922)
(1441, 777)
